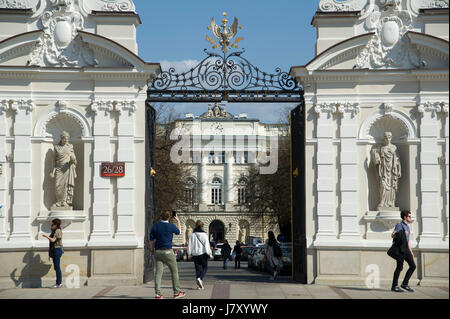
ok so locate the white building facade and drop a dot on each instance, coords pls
(380, 66)
(73, 66)
(221, 150)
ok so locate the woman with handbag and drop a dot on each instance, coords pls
(200, 249)
(56, 249)
(273, 263)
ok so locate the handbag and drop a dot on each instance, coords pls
(395, 252)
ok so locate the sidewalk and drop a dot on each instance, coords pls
(227, 290)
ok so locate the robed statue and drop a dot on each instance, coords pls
(387, 162)
(64, 172)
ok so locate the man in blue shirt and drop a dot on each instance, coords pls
(409, 256)
(161, 237)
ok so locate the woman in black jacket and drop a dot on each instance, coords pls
(226, 253)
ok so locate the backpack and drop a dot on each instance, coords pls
(277, 250)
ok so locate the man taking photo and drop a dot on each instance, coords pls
(161, 237)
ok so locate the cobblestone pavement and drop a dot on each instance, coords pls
(242, 283)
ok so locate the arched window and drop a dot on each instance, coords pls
(216, 191)
(190, 194)
(242, 191)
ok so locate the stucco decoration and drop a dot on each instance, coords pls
(387, 119)
(18, 4)
(389, 47)
(60, 44)
(341, 5)
(110, 5)
(431, 107)
(415, 5)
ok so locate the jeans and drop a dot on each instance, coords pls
(412, 266)
(270, 268)
(201, 265)
(225, 262)
(237, 261)
(166, 257)
(57, 264)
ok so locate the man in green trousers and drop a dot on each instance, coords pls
(161, 237)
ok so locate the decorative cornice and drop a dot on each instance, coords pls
(106, 106)
(125, 106)
(325, 108)
(348, 107)
(22, 104)
(432, 107)
(337, 107)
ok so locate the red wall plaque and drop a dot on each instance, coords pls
(113, 169)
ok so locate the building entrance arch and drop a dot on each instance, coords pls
(216, 231)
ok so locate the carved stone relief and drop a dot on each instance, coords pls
(389, 47)
(18, 4)
(60, 44)
(110, 5)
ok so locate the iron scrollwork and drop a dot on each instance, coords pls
(229, 78)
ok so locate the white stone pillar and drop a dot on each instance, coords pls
(229, 190)
(203, 179)
(101, 208)
(349, 171)
(125, 185)
(21, 208)
(429, 175)
(446, 128)
(325, 173)
(3, 211)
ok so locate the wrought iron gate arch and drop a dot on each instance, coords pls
(234, 79)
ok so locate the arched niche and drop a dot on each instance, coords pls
(48, 132)
(404, 134)
(244, 230)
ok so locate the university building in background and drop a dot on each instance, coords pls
(217, 183)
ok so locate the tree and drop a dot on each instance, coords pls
(269, 195)
(170, 178)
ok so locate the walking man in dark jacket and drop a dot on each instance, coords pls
(238, 251)
(226, 253)
(407, 255)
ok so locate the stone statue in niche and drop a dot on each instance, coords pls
(388, 168)
(242, 233)
(64, 173)
(189, 230)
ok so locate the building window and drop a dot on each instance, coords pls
(242, 191)
(222, 157)
(211, 158)
(216, 191)
(190, 194)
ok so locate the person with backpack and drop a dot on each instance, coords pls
(273, 255)
(56, 249)
(401, 233)
(237, 252)
(199, 248)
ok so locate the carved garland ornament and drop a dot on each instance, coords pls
(60, 44)
(15, 4)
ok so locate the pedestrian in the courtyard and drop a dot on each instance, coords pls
(55, 250)
(200, 250)
(401, 237)
(161, 237)
(272, 261)
(237, 250)
(226, 253)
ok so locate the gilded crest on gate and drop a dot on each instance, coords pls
(224, 34)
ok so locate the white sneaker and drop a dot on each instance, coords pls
(56, 286)
(200, 283)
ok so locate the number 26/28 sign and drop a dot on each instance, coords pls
(113, 169)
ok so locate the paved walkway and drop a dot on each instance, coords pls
(243, 283)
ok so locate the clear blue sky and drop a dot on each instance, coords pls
(277, 33)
